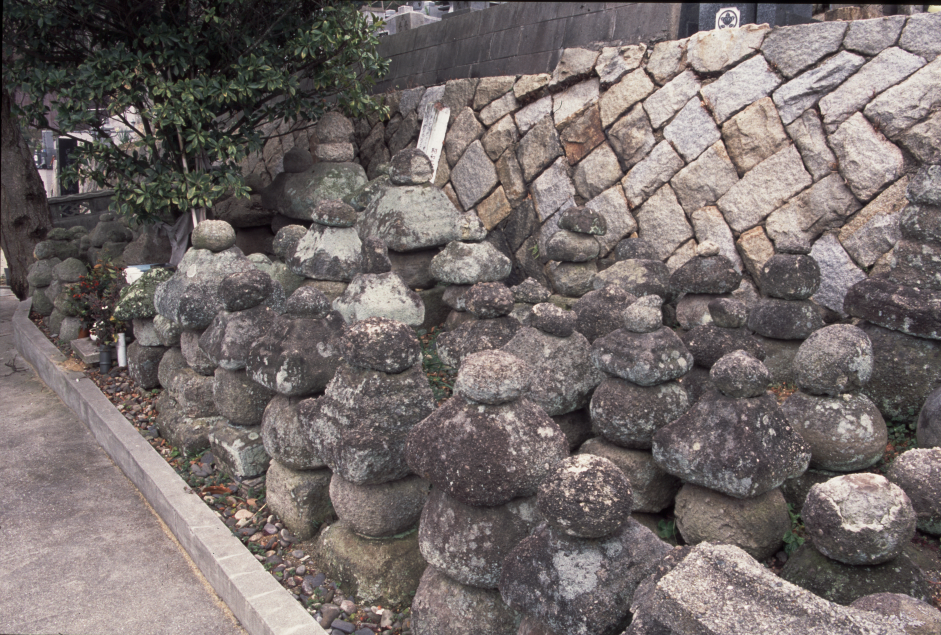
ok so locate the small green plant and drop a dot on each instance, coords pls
(794, 538)
(440, 375)
(666, 529)
(534, 250)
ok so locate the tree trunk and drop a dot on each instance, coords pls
(24, 212)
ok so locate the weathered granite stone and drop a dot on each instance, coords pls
(699, 445)
(381, 510)
(612, 207)
(442, 605)
(567, 105)
(795, 48)
(667, 59)
(499, 109)
(585, 496)
(834, 360)
(745, 84)
(187, 434)
(720, 588)
(825, 205)
(804, 91)
(239, 451)
(143, 363)
(764, 189)
(918, 473)
(193, 392)
(492, 377)
(230, 337)
(377, 571)
(553, 189)
(628, 415)
(928, 429)
(622, 95)
(838, 273)
(663, 222)
(867, 160)
(754, 134)
(647, 176)
(300, 498)
(579, 586)
(666, 102)
(913, 616)
(642, 358)
(469, 263)
(562, 374)
(807, 133)
(692, 130)
(574, 65)
(785, 319)
(905, 104)
(238, 398)
(906, 309)
(739, 375)
(636, 277)
(916, 263)
(551, 319)
(380, 295)
(713, 274)
(486, 455)
(755, 525)
(137, 299)
(473, 336)
(704, 180)
(885, 70)
(491, 88)
(631, 137)
(411, 217)
(474, 176)
(295, 195)
(919, 35)
(790, 277)
(502, 135)
(530, 115)
(871, 37)
(921, 140)
(719, 50)
(359, 426)
(599, 312)
(450, 536)
(596, 172)
(615, 62)
(845, 433)
(191, 297)
(538, 148)
(569, 246)
(284, 438)
(653, 489)
(196, 357)
(859, 519)
(644, 315)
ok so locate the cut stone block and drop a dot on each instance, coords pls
(905, 104)
(885, 70)
(663, 104)
(746, 83)
(705, 180)
(792, 49)
(692, 130)
(720, 49)
(868, 161)
(627, 92)
(753, 135)
(764, 189)
(807, 89)
(239, 450)
(662, 221)
(825, 205)
(570, 103)
(807, 133)
(649, 175)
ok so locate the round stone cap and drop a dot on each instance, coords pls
(378, 343)
(492, 377)
(859, 519)
(834, 360)
(551, 319)
(214, 235)
(334, 214)
(728, 313)
(586, 496)
(410, 167)
(307, 302)
(488, 300)
(740, 375)
(645, 315)
(245, 289)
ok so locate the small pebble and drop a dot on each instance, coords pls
(270, 529)
(297, 553)
(301, 570)
(343, 626)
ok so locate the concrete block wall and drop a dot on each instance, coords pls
(517, 38)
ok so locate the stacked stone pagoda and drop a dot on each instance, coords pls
(358, 427)
(486, 451)
(734, 448)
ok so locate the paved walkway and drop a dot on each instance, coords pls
(82, 551)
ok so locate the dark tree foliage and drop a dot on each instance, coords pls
(207, 77)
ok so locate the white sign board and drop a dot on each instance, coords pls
(728, 18)
(433, 128)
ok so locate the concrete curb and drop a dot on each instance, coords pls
(261, 604)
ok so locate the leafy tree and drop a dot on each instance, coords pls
(206, 77)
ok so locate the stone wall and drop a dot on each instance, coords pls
(757, 139)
